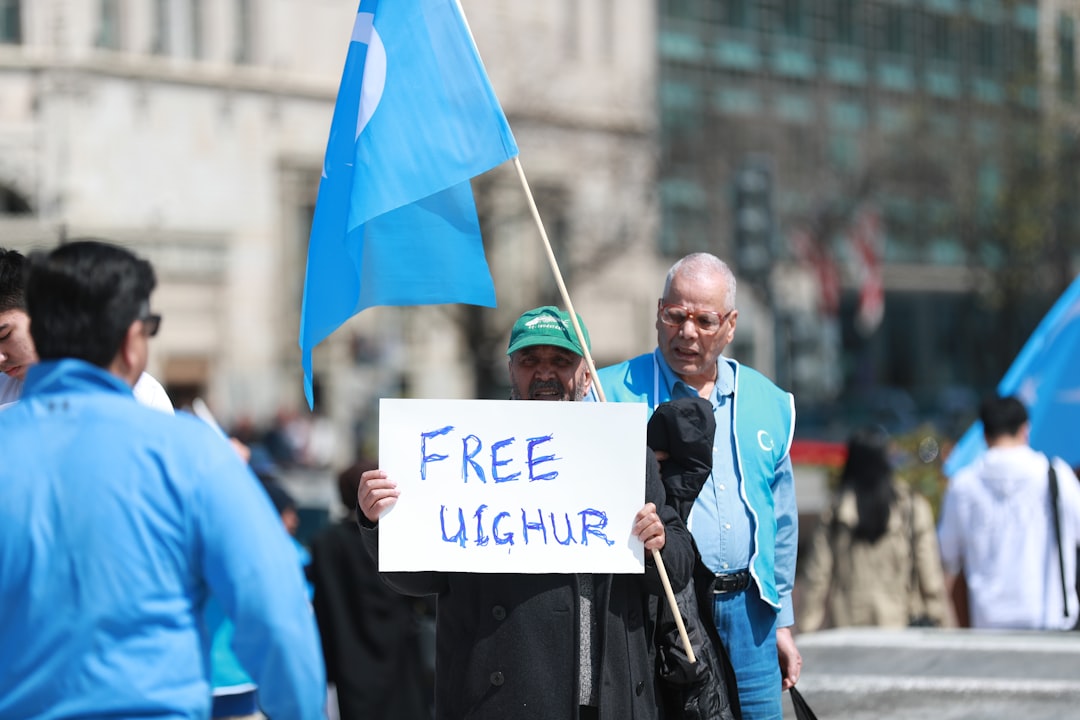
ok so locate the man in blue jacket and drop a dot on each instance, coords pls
(745, 521)
(117, 521)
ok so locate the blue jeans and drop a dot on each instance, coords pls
(747, 625)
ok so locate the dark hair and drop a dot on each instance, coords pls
(12, 280)
(1002, 416)
(82, 298)
(280, 497)
(868, 474)
(349, 481)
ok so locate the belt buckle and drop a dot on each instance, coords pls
(731, 582)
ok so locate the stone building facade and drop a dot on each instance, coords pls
(193, 132)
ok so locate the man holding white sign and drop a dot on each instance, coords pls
(545, 645)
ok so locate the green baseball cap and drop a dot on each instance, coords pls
(547, 325)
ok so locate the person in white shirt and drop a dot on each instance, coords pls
(997, 529)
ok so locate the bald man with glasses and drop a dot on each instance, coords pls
(744, 521)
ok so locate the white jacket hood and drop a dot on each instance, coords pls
(1005, 470)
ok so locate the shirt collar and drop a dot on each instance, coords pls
(725, 377)
(724, 385)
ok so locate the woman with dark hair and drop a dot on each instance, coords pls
(874, 556)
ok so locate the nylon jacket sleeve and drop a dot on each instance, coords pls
(254, 572)
(678, 551)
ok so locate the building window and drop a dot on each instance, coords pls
(1067, 57)
(985, 133)
(10, 22)
(607, 30)
(794, 108)
(109, 24)
(571, 29)
(1028, 54)
(892, 120)
(198, 43)
(738, 14)
(896, 37)
(942, 38)
(677, 9)
(687, 230)
(299, 189)
(734, 100)
(989, 184)
(793, 18)
(160, 44)
(243, 31)
(553, 202)
(987, 48)
(847, 115)
(843, 150)
(844, 28)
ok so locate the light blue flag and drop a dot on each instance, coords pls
(1046, 377)
(395, 222)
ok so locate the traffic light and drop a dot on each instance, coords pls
(753, 219)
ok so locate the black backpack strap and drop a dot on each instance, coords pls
(1057, 535)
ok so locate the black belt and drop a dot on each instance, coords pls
(731, 582)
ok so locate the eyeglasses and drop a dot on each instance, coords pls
(151, 321)
(706, 321)
(151, 324)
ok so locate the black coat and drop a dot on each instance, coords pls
(369, 632)
(707, 690)
(507, 645)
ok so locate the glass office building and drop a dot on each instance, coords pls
(950, 121)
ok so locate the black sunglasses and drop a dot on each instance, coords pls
(151, 324)
(151, 321)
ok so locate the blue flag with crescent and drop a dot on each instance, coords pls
(1046, 377)
(395, 222)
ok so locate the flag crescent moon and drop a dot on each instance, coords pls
(371, 89)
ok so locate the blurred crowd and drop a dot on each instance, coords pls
(1000, 552)
(130, 534)
(292, 439)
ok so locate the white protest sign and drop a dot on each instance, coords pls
(500, 486)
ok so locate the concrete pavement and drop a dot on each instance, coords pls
(939, 674)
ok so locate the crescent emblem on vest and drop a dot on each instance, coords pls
(764, 441)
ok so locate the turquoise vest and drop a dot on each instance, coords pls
(763, 420)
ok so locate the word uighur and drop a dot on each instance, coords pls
(506, 460)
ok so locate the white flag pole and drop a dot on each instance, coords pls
(657, 560)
